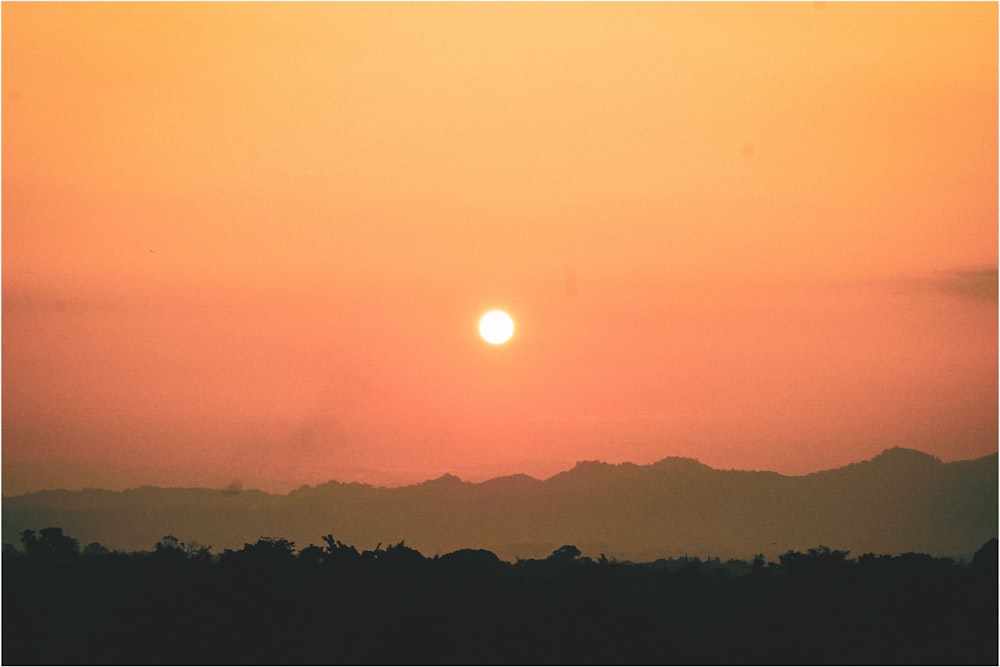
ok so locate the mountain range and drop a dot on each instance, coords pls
(900, 501)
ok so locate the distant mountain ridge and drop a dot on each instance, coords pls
(899, 501)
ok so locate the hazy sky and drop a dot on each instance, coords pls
(250, 243)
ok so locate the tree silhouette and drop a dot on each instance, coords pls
(265, 604)
(400, 556)
(985, 560)
(469, 562)
(49, 543)
(269, 549)
(312, 554)
(169, 548)
(564, 554)
(338, 552)
(818, 563)
(96, 549)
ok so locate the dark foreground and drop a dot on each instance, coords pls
(271, 604)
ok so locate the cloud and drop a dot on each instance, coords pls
(977, 284)
(980, 284)
(606, 419)
(19, 299)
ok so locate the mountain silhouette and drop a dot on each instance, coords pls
(897, 502)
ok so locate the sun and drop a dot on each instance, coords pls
(496, 327)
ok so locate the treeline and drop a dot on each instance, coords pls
(270, 603)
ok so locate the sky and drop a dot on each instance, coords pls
(248, 245)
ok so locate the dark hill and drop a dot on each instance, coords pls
(899, 501)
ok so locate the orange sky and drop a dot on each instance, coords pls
(250, 243)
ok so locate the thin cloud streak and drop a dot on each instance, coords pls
(975, 284)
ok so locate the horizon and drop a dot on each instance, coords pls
(239, 487)
(250, 244)
(900, 501)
